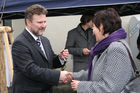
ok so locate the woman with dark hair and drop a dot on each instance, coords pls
(109, 66)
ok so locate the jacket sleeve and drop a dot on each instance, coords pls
(25, 64)
(81, 75)
(57, 63)
(70, 44)
(117, 73)
(56, 59)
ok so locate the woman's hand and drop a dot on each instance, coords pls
(74, 84)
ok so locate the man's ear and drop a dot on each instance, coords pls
(28, 22)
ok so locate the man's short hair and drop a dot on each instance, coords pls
(35, 9)
(86, 18)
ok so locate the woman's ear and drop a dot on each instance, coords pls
(102, 28)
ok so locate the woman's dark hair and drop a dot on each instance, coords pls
(109, 18)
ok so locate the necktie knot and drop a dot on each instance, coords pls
(38, 41)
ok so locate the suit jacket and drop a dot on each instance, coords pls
(111, 71)
(33, 73)
(76, 41)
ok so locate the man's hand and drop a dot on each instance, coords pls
(69, 77)
(86, 51)
(65, 76)
(64, 54)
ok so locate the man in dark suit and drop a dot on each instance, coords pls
(79, 42)
(33, 57)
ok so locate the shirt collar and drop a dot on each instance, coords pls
(34, 36)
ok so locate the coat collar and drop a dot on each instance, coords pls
(81, 31)
(35, 37)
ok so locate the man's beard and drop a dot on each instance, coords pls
(36, 33)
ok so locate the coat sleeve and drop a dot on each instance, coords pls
(56, 59)
(81, 75)
(117, 73)
(70, 44)
(25, 64)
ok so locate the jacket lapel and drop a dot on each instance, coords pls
(33, 42)
(90, 35)
(44, 43)
(79, 28)
(83, 34)
(40, 51)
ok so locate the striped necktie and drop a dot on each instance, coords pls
(38, 42)
(41, 46)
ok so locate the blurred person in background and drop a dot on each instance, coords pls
(79, 42)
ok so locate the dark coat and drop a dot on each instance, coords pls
(33, 73)
(76, 41)
(138, 45)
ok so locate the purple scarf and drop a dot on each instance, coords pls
(102, 45)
